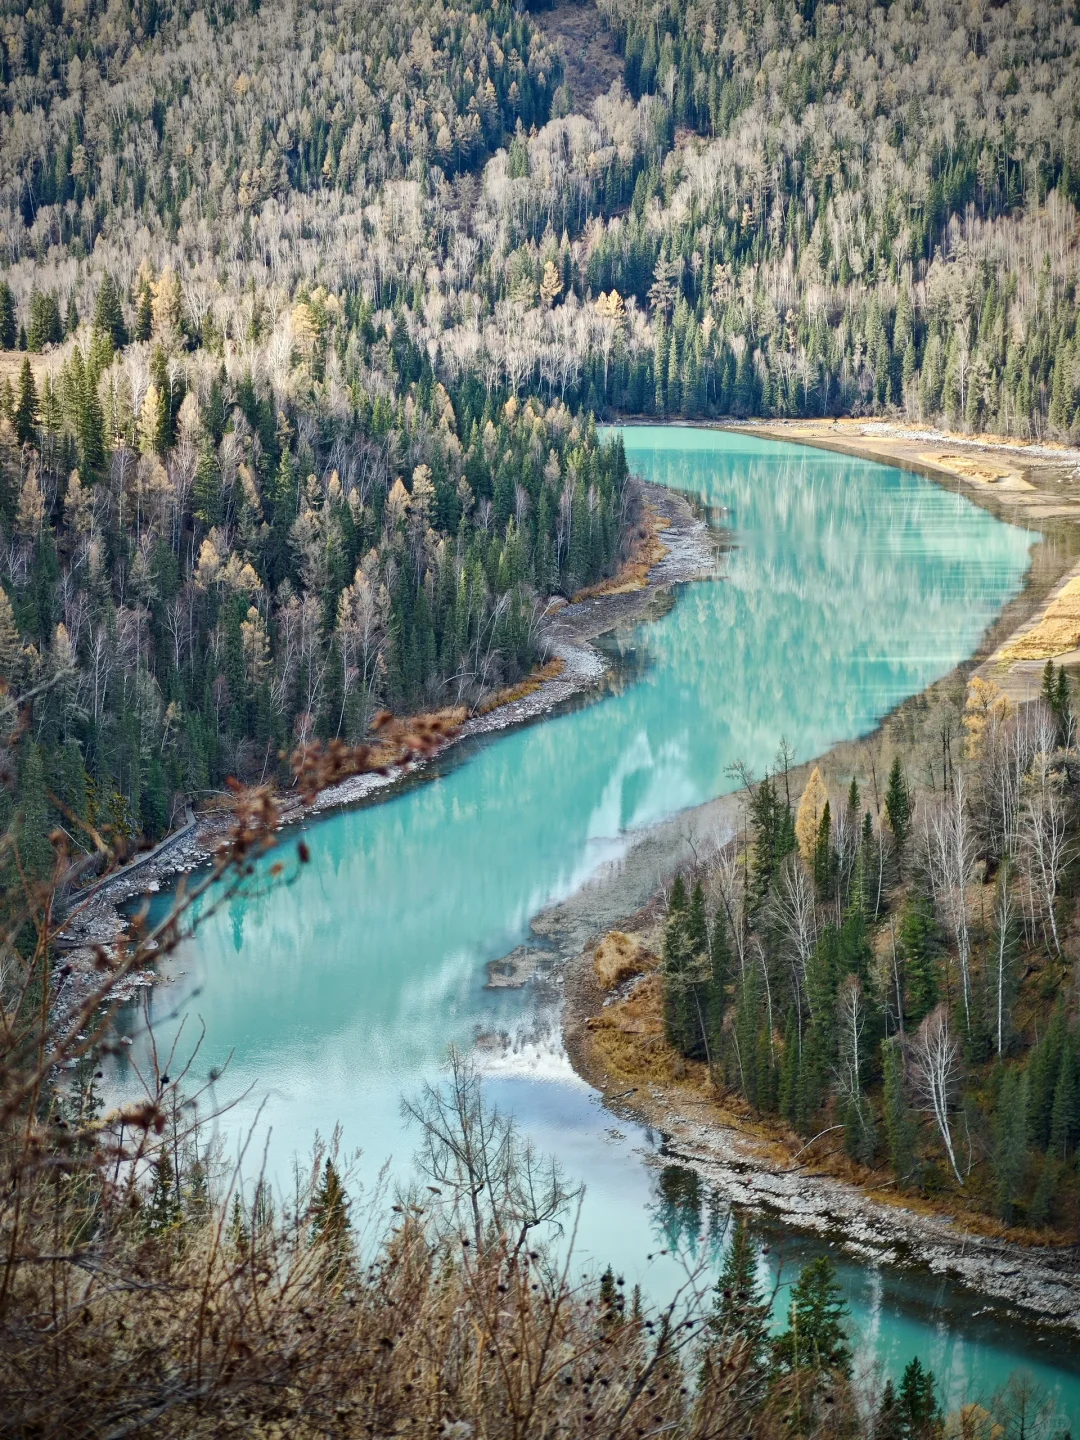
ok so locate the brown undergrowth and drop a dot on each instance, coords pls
(145, 1290)
(540, 675)
(646, 552)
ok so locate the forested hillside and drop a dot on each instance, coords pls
(888, 968)
(241, 507)
(284, 280)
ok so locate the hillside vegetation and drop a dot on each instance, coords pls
(286, 280)
(887, 969)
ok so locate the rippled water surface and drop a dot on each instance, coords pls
(850, 586)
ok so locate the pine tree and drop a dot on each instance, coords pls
(330, 1223)
(686, 973)
(917, 1402)
(144, 322)
(1010, 1143)
(109, 312)
(916, 939)
(824, 859)
(1063, 1113)
(788, 1096)
(899, 1125)
(889, 1418)
(816, 1337)
(26, 408)
(8, 328)
(739, 1309)
(164, 1209)
(1042, 1202)
(35, 852)
(898, 805)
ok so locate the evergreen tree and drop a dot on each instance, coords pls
(898, 805)
(739, 1309)
(26, 407)
(916, 939)
(1042, 1202)
(824, 859)
(8, 327)
(35, 853)
(917, 1402)
(1063, 1112)
(899, 1124)
(165, 1209)
(330, 1223)
(816, 1337)
(109, 312)
(788, 1092)
(889, 1418)
(1010, 1143)
(686, 973)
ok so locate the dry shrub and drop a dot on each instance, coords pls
(144, 1293)
(618, 957)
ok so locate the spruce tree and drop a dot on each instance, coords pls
(9, 332)
(824, 859)
(899, 1125)
(889, 1418)
(26, 407)
(898, 805)
(917, 1402)
(788, 1097)
(330, 1223)
(1042, 1202)
(739, 1309)
(816, 1338)
(109, 312)
(35, 852)
(1010, 1143)
(1063, 1112)
(164, 1209)
(916, 939)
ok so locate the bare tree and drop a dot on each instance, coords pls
(935, 1074)
(950, 839)
(493, 1178)
(795, 911)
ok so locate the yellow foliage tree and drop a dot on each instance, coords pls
(550, 285)
(808, 816)
(985, 703)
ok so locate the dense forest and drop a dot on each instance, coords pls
(276, 287)
(889, 970)
(255, 517)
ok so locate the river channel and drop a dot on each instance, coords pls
(848, 587)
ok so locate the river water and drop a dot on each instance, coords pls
(849, 587)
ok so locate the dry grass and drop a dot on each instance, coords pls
(532, 682)
(618, 957)
(646, 552)
(1057, 632)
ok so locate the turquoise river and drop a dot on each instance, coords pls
(849, 587)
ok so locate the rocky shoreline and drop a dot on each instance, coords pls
(1043, 1281)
